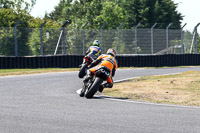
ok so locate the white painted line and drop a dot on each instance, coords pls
(167, 74)
(139, 102)
(78, 91)
(123, 80)
(143, 102)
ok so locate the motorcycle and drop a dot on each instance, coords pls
(87, 60)
(91, 86)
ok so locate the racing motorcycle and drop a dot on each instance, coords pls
(87, 60)
(91, 86)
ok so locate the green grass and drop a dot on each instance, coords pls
(7, 72)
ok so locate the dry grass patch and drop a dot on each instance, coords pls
(183, 89)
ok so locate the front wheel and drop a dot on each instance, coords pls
(93, 89)
(82, 71)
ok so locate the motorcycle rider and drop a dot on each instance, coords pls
(94, 51)
(107, 60)
(92, 54)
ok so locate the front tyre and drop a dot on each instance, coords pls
(82, 71)
(93, 89)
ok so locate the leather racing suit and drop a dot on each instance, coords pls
(108, 61)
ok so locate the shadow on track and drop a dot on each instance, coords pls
(108, 97)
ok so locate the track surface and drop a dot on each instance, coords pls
(48, 103)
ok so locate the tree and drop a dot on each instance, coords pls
(165, 12)
(51, 28)
(112, 14)
(6, 4)
(11, 12)
(147, 12)
(17, 5)
(9, 19)
(97, 12)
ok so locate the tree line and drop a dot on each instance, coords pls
(96, 12)
(79, 12)
(113, 13)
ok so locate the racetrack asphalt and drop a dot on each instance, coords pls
(48, 103)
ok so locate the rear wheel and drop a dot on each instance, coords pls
(93, 89)
(82, 71)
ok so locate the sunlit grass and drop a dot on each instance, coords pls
(183, 89)
(6, 72)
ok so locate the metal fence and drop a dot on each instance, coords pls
(44, 41)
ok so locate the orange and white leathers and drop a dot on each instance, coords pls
(107, 61)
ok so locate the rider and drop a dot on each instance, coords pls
(108, 60)
(94, 51)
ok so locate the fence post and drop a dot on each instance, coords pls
(167, 37)
(136, 40)
(16, 46)
(182, 33)
(83, 29)
(102, 35)
(119, 37)
(196, 47)
(63, 41)
(41, 41)
(152, 37)
(194, 39)
(61, 34)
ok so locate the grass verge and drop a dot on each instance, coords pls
(182, 89)
(7, 72)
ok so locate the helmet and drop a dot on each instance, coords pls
(112, 52)
(96, 43)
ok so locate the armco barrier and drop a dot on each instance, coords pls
(73, 61)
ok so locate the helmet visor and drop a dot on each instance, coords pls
(95, 44)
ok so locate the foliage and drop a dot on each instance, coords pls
(34, 42)
(79, 12)
(9, 19)
(17, 5)
(113, 13)
(28, 39)
(131, 12)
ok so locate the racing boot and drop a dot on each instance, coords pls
(106, 85)
(83, 91)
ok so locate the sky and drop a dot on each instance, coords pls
(188, 8)
(43, 6)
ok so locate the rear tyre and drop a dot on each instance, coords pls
(93, 89)
(82, 71)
